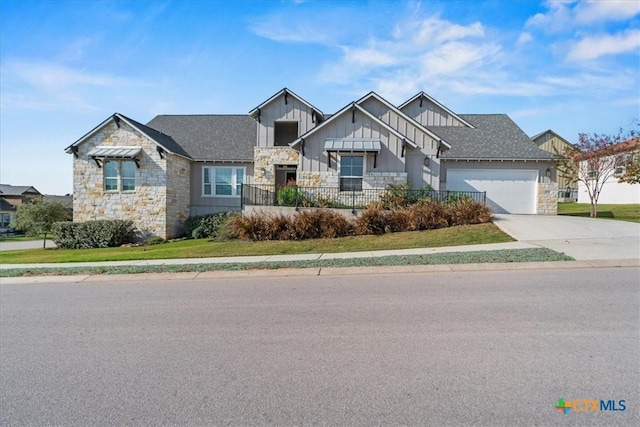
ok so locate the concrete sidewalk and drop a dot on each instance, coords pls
(272, 258)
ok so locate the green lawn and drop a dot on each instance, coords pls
(620, 212)
(201, 248)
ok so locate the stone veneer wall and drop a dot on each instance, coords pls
(146, 206)
(370, 179)
(267, 158)
(178, 194)
(547, 198)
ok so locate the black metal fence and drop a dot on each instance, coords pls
(332, 197)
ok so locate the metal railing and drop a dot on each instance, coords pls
(568, 194)
(332, 197)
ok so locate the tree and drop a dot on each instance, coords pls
(38, 218)
(593, 161)
(632, 169)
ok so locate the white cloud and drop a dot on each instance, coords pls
(46, 85)
(566, 15)
(596, 46)
(587, 12)
(524, 38)
(368, 57)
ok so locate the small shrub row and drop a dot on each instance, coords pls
(213, 226)
(94, 234)
(311, 224)
(314, 224)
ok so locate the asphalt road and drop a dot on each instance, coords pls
(482, 348)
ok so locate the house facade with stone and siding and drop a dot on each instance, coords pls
(157, 174)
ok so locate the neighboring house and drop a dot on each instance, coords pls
(66, 201)
(613, 192)
(557, 145)
(12, 196)
(179, 165)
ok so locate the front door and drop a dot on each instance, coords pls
(285, 175)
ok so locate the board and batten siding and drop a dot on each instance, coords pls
(418, 174)
(389, 159)
(430, 114)
(203, 205)
(551, 143)
(277, 110)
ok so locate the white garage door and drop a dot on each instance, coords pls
(508, 191)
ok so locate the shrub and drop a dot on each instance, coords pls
(317, 223)
(467, 211)
(291, 195)
(374, 221)
(94, 234)
(254, 226)
(211, 226)
(398, 196)
(308, 224)
(427, 215)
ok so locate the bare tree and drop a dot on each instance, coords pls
(593, 161)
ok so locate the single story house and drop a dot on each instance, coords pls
(159, 173)
(12, 196)
(610, 167)
(557, 145)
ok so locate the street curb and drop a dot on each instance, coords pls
(318, 271)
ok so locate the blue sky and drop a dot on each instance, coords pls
(570, 66)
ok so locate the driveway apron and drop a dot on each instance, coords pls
(579, 237)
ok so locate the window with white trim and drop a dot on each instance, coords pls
(351, 172)
(119, 175)
(222, 181)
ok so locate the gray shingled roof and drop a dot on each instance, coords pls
(160, 137)
(6, 206)
(496, 136)
(210, 137)
(15, 190)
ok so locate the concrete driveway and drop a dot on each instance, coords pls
(29, 244)
(579, 237)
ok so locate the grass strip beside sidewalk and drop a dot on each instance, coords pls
(500, 256)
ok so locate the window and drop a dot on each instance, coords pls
(119, 174)
(222, 181)
(5, 220)
(351, 172)
(284, 133)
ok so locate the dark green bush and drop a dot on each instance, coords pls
(292, 195)
(212, 226)
(94, 234)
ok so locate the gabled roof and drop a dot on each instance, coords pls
(253, 113)
(551, 132)
(16, 190)
(211, 137)
(401, 114)
(425, 96)
(6, 206)
(345, 110)
(493, 137)
(165, 141)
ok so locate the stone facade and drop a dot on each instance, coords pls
(383, 179)
(265, 160)
(178, 194)
(146, 206)
(317, 179)
(370, 179)
(547, 198)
